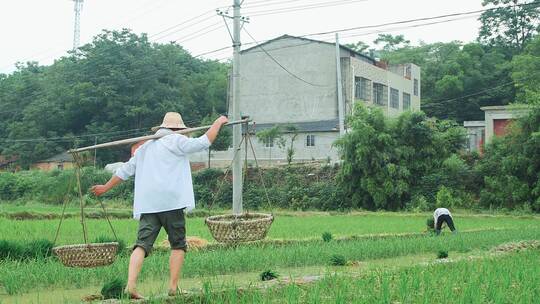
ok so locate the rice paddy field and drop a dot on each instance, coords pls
(387, 258)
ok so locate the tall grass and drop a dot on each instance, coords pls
(509, 279)
(17, 277)
(284, 227)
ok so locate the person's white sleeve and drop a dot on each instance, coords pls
(127, 169)
(188, 145)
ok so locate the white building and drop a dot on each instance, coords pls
(293, 81)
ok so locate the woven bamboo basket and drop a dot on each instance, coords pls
(246, 227)
(87, 255)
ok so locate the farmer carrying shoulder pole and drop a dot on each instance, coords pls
(163, 190)
(440, 216)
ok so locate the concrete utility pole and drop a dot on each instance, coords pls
(77, 28)
(237, 129)
(341, 106)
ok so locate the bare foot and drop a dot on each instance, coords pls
(133, 294)
(175, 292)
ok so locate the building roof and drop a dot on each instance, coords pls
(62, 157)
(310, 126)
(4, 161)
(474, 123)
(511, 107)
(356, 54)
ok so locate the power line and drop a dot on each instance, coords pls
(416, 20)
(440, 102)
(280, 65)
(212, 28)
(331, 32)
(269, 3)
(301, 7)
(182, 28)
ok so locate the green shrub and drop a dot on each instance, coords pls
(338, 260)
(446, 199)
(113, 289)
(268, 275)
(511, 164)
(327, 236)
(442, 254)
(385, 160)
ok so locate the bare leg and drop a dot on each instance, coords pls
(176, 261)
(135, 265)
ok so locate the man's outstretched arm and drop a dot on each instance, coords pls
(101, 189)
(212, 133)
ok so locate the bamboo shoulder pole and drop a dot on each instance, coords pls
(148, 137)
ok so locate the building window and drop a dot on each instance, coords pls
(380, 94)
(406, 101)
(415, 88)
(394, 98)
(310, 141)
(408, 72)
(362, 88)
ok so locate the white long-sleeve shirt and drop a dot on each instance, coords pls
(438, 212)
(163, 173)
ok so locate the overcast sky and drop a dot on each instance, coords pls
(41, 30)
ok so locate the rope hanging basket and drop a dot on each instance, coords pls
(245, 227)
(87, 255)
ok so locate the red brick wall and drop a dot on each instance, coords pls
(500, 126)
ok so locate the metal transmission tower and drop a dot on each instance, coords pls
(77, 28)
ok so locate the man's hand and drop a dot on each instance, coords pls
(98, 190)
(222, 120)
(212, 133)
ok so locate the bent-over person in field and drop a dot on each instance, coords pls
(440, 216)
(163, 192)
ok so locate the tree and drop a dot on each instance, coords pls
(453, 74)
(270, 136)
(117, 86)
(390, 42)
(359, 47)
(509, 24)
(526, 73)
(385, 160)
(293, 131)
(511, 165)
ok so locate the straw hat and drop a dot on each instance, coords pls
(172, 120)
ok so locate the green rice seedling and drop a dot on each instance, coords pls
(113, 289)
(442, 254)
(327, 236)
(37, 249)
(10, 250)
(268, 275)
(430, 223)
(338, 260)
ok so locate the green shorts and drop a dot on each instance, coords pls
(150, 224)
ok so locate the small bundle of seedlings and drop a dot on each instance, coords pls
(268, 275)
(113, 289)
(327, 236)
(338, 260)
